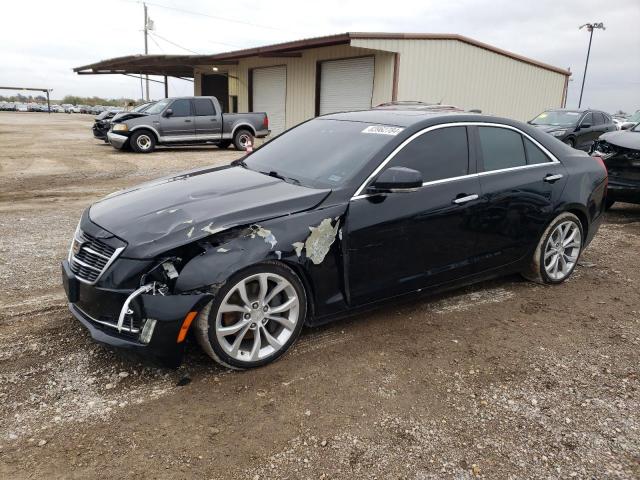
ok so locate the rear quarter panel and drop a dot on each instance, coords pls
(585, 191)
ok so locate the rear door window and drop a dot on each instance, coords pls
(587, 119)
(598, 118)
(181, 108)
(534, 154)
(501, 148)
(203, 107)
(438, 154)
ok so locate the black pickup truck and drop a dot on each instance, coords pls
(186, 120)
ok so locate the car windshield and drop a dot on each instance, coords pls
(556, 117)
(321, 153)
(635, 118)
(142, 108)
(158, 107)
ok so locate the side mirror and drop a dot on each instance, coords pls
(584, 125)
(397, 179)
(168, 112)
(626, 126)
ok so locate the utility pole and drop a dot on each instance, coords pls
(146, 46)
(590, 27)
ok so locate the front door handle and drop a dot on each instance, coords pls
(187, 121)
(465, 199)
(552, 178)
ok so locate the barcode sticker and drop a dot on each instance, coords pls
(382, 130)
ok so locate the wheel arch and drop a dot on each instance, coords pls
(245, 126)
(148, 128)
(583, 217)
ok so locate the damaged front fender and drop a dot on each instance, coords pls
(308, 240)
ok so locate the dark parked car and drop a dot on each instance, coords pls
(102, 123)
(577, 128)
(620, 152)
(187, 121)
(334, 216)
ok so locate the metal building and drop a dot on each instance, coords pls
(298, 80)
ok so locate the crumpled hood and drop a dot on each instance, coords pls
(160, 215)
(122, 116)
(623, 138)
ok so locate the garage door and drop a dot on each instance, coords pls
(269, 95)
(346, 85)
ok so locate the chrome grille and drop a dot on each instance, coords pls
(89, 257)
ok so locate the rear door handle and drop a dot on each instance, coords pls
(187, 121)
(465, 199)
(552, 178)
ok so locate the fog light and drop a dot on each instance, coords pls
(147, 330)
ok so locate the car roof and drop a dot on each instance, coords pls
(404, 118)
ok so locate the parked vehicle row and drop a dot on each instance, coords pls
(304, 229)
(56, 108)
(186, 121)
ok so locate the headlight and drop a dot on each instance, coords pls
(558, 133)
(120, 127)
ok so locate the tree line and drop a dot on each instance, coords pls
(72, 99)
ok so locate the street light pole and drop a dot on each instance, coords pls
(590, 28)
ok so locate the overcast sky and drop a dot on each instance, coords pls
(41, 41)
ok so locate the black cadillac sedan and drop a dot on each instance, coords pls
(334, 216)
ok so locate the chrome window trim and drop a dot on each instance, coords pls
(551, 156)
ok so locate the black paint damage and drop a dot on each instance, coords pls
(208, 224)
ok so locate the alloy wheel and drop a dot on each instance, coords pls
(257, 317)
(562, 250)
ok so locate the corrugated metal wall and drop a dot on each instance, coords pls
(471, 77)
(301, 78)
(449, 71)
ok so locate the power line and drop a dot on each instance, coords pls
(173, 43)
(215, 17)
(157, 44)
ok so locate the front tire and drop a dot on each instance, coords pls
(143, 142)
(224, 144)
(571, 142)
(558, 251)
(254, 318)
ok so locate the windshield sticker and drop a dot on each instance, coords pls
(335, 178)
(382, 130)
(573, 114)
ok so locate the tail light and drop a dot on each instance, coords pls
(606, 173)
(265, 122)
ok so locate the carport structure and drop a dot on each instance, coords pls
(295, 81)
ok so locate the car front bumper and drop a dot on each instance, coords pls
(167, 313)
(116, 140)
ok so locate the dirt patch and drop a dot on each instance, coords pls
(506, 379)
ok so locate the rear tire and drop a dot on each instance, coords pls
(558, 251)
(242, 138)
(254, 318)
(143, 142)
(571, 142)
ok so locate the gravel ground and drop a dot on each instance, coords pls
(506, 379)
